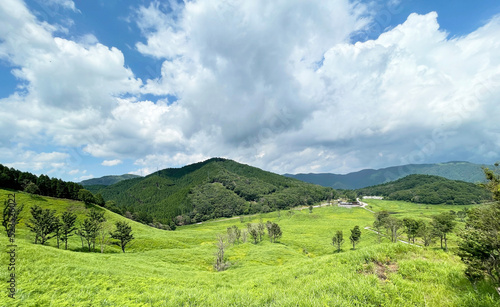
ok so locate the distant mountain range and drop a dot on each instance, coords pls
(463, 171)
(107, 180)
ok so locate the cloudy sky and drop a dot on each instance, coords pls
(91, 88)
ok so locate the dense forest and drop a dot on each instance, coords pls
(207, 190)
(429, 189)
(11, 178)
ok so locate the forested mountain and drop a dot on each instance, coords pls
(210, 189)
(463, 171)
(14, 179)
(429, 189)
(107, 180)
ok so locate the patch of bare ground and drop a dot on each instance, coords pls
(380, 269)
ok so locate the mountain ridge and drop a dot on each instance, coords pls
(453, 170)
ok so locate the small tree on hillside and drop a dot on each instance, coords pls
(355, 236)
(425, 232)
(379, 222)
(42, 223)
(393, 225)
(68, 227)
(123, 234)
(338, 240)
(57, 229)
(273, 231)
(253, 232)
(11, 214)
(220, 263)
(411, 227)
(86, 196)
(261, 229)
(443, 224)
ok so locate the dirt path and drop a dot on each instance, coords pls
(363, 205)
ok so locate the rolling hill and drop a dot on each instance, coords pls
(429, 189)
(211, 189)
(463, 171)
(165, 268)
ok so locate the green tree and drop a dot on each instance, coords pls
(43, 223)
(338, 240)
(479, 248)
(32, 188)
(411, 227)
(253, 232)
(91, 226)
(273, 231)
(443, 224)
(220, 263)
(380, 222)
(11, 214)
(99, 200)
(425, 232)
(355, 236)
(393, 225)
(123, 234)
(86, 196)
(68, 220)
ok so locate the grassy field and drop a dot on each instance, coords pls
(165, 268)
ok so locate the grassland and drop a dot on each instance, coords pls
(164, 268)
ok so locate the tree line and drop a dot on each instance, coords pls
(14, 179)
(45, 224)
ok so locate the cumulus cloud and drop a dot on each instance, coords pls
(278, 85)
(111, 162)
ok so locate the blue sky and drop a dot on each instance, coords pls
(92, 88)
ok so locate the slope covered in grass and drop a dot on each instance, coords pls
(165, 268)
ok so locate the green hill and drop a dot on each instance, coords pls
(207, 190)
(107, 180)
(463, 171)
(165, 268)
(430, 190)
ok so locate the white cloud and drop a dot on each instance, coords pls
(274, 84)
(111, 162)
(68, 4)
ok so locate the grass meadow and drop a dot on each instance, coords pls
(174, 268)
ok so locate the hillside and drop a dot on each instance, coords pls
(164, 268)
(430, 190)
(210, 189)
(107, 180)
(463, 171)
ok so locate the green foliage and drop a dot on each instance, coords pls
(463, 171)
(480, 245)
(68, 220)
(89, 229)
(355, 236)
(107, 180)
(11, 214)
(211, 189)
(338, 240)
(273, 231)
(428, 189)
(43, 223)
(123, 234)
(443, 224)
(11, 178)
(86, 196)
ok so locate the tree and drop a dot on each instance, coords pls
(310, 209)
(220, 263)
(68, 227)
(43, 223)
(86, 196)
(480, 245)
(273, 231)
(425, 232)
(91, 226)
(32, 188)
(11, 214)
(338, 240)
(123, 234)
(99, 200)
(462, 214)
(355, 236)
(253, 232)
(261, 229)
(443, 224)
(411, 227)
(57, 229)
(379, 222)
(393, 225)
